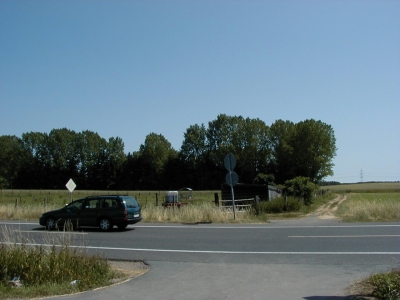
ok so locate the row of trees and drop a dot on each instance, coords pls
(275, 153)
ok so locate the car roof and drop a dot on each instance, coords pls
(107, 196)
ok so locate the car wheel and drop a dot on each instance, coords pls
(123, 226)
(50, 223)
(105, 224)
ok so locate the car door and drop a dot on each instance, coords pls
(111, 208)
(72, 212)
(89, 212)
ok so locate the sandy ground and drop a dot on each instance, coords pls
(131, 269)
(327, 211)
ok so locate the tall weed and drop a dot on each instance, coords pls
(204, 212)
(52, 267)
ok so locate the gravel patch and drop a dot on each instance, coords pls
(128, 269)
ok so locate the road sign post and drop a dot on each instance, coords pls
(71, 187)
(231, 178)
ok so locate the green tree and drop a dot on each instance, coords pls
(254, 154)
(12, 160)
(303, 149)
(38, 168)
(314, 147)
(92, 160)
(154, 154)
(194, 155)
(130, 173)
(281, 165)
(63, 151)
(247, 139)
(264, 179)
(194, 146)
(115, 157)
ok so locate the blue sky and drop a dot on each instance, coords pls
(130, 68)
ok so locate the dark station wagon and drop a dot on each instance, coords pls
(95, 211)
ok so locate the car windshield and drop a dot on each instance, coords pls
(130, 202)
(75, 205)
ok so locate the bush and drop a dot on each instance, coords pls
(279, 205)
(386, 286)
(301, 188)
(293, 204)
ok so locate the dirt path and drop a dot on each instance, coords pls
(328, 210)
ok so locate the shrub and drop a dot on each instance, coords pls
(386, 285)
(293, 204)
(301, 188)
(279, 205)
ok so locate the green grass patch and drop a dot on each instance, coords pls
(58, 198)
(365, 187)
(386, 286)
(38, 271)
(371, 207)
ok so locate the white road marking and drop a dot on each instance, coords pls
(51, 232)
(342, 236)
(214, 252)
(203, 226)
(213, 226)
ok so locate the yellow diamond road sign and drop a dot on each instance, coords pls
(70, 185)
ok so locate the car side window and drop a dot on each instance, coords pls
(110, 203)
(76, 205)
(114, 203)
(130, 203)
(92, 204)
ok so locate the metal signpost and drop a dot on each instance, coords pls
(70, 186)
(231, 177)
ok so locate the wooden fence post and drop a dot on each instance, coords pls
(216, 199)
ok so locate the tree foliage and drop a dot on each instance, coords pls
(12, 158)
(154, 155)
(302, 188)
(302, 149)
(264, 154)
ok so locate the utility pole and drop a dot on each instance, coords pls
(361, 176)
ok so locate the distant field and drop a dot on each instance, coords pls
(62, 197)
(367, 187)
(370, 207)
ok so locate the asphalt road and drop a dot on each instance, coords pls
(298, 259)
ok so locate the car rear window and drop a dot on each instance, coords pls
(130, 202)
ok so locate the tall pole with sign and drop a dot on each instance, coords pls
(231, 177)
(70, 186)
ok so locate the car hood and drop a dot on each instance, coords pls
(53, 211)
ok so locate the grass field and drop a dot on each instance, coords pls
(370, 207)
(62, 197)
(366, 187)
(366, 202)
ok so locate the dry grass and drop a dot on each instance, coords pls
(205, 212)
(48, 269)
(369, 207)
(23, 212)
(364, 187)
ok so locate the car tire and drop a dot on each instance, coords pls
(105, 224)
(50, 223)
